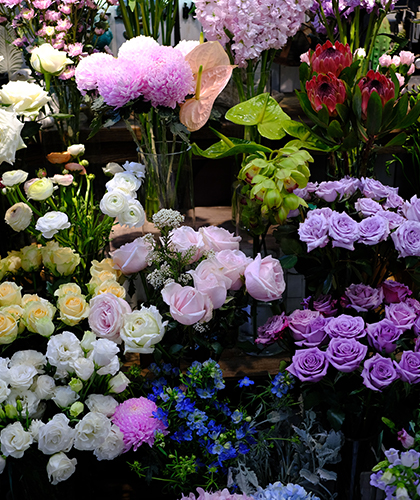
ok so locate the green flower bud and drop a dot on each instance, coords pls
(11, 411)
(76, 384)
(76, 409)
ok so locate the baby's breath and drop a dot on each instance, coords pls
(167, 218)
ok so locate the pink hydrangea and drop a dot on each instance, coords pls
(135, 418)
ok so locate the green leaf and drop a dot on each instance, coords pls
(398, 140)
(336, 418)
(304, 74)
(288, 261)
(291, 246)
(411, 117)
(334, 130)
(343, 112)
(308, 109)
(222, 150)
(61, 116)
(374, 114)
(326, 286)
(399, 111)
(357, 103)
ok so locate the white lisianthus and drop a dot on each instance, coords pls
(112, 447)
(91, 431)
(4, 390)
(45, 386)
(11, 141)
(125, 181)
(134, 216)
(22, 376)
(76, 149)
(60, 467)
(64, 396)
(118, 383)
(18, 216)
(88, 341)
(56, 435)
(103, 352)
(39, 189)
(28, 399)
(13, 177)
(84, 368)
(114, 203)
(101, 404)
(63, 350)
(34, 428)
(31, 357)
(47, 59)
(52, 222)
(142, 330)
(15, 440)
(24, 97)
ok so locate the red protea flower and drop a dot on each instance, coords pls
(328, 90)
(375, 82)
(329, 58)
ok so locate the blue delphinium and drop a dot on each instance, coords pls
(279, 491)
(282, 383)
(245, 382)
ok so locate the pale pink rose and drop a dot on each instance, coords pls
(210, 279)
(217, 239)
(184, 237)
(62, 180)
(411, 69)
(385, 60)
(306, 57)
(407, 57)
(234, 263)
(106, 315)
(186, 304)
(264, 279)
(401, 79)
(132, 257)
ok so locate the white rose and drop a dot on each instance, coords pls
(22, 376)
(56, 435)
(134, 216)
(63, 350)
(24, 97)
(112, 447)
(142, 330)
(11, 141)
(15, 440)
(4, 390)
(113, 203)
(18, 216)
(45, 386)
(84, 368)
(101, 404)
(51, 223)
(13, 177)
(47, 59)
(60, 467)
(64, 396)
(91, 431)
(104, 351)
(118, 383)
(124, 181)
(76, 149)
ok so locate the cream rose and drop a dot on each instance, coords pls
(52, 222)
(9, 327)
(107, 264)
(16, 311)
(24, 97)
(73, 308)
(71, 288)
(111, 286)
(47, 59)
(142, 330)
(38, 317)
(60, 260)
(13, 177)
(18, 216)
(31, 258)
(10, 293)
(11, 141)
(39, 189)
(13, 262)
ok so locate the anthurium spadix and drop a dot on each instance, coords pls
(212, 71)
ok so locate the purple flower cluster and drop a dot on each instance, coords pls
(348, 343)
(380, 214)
(143, 68)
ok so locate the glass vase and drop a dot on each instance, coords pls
(169, 180)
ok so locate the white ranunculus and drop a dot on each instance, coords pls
(134, 216)
(4, 390)
(112, 447)
(11, 141)
(24, 97)
(39, 189)
(142, 330)
(114, 202)
(52, 222)
(15, 440)
(125, 181)
(63, 350)
(137, 169)
(76, 149)
(47, 59)
(64, 396)
(60, 467)
(118, 383)
(91, 431)
(22, 376)
(56, 435)
(13, 177)
(45, 386)
(112, 168)
(84, 368)
(18, 216)
(102, 404)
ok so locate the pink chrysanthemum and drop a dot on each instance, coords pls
(136, 48)
(135, 419)
(89, 69)
(217, 495)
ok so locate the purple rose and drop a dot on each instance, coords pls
(401, 314)
(371, 188)
(343, 230)
(305, 193)
(383, 335)
(393, 200)
(309, 365)
(363, 297)
(378, 372)
(270, 332)
(314, 232)
(373, 230)
(394, 220)
(407, 239)
(345, 354)
(409, 367)
(328, 191)
(394, 291)
(347, 186)
(314, 334)
(300, 319)
(325, 304)
(345, 326)
(414, 304)
(367, 207)
(411, 209)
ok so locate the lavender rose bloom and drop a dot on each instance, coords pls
(394, 220)
(411, 209)
(409, 367)
(373, 230)
(270, 332)
(345, 354)
(383, 335)
(309, 365)
(394, 291)
(325, 304)
(343, 230)
(345, 326)
(363, 297)
(314, 335)
(367, 207)
(371, 188)
(394, 200)
(407, 239)
(314, 232)
(378, 372)
(401, 314)
(324, 211)
(300, 319)
(328, 191)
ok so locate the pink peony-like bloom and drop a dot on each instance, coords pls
(375, 82)
(329, 58)
(135, 419)
(328, 90)
(106, 316)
